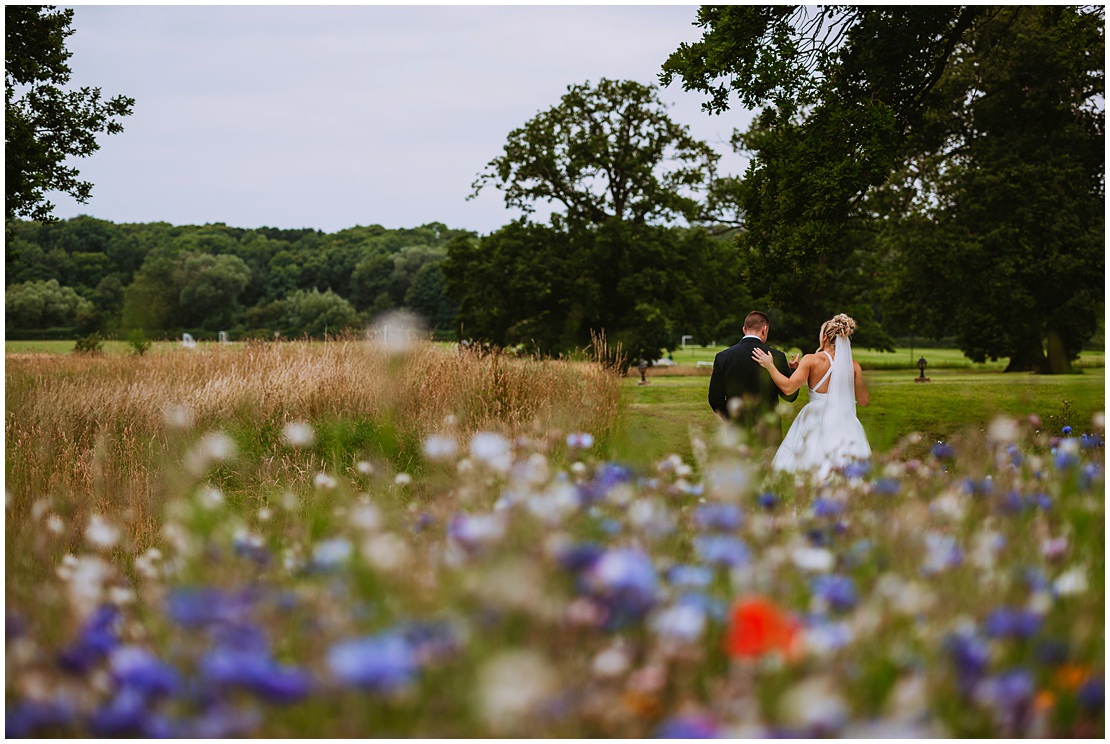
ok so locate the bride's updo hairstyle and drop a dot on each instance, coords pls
(840, 325)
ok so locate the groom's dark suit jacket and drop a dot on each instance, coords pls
(737, 375)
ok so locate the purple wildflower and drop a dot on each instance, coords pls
(124, 715)
(689, 575)
(970, 656)
(857, 469)
(943, 451)
(137, 669)
(721, 550)
(256, 671)
(30, 718)
(718, 517)
(768, 500)
(688, 726)
(96, 639)
(838, 591)
(887, 486)
(384, 663)
(1066, 430)
(196, 608)
(823, 507)
(623, 581)
(1012, 623)
(579, 556)
(1087, 441)
(607, 477)
(1092, 694)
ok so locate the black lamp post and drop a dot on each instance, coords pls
(643, 365)
(921, 364)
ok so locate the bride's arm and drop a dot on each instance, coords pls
(788, 385)
(862, 396)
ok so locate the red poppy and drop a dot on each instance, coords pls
(758, 627)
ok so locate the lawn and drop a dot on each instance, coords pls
(661, 414)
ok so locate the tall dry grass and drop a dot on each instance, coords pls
(102, 434)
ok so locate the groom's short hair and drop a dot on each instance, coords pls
(756, 321)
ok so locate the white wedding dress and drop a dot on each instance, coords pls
(826, 434)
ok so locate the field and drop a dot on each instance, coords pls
(362, 539)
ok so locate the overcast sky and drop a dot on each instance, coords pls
(331, 117)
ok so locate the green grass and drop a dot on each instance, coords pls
(901, 358)
(660, 415)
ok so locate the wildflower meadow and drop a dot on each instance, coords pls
(371, 538)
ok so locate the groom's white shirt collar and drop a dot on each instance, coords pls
(752, 335)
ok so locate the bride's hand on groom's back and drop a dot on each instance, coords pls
(762, 358)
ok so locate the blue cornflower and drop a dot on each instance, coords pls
(1090, 472)
(196, 608)
(257, 672)
(1092, 694)
(711, 606)
(1065, 458)
(1011, 623)
(124, 715)
(1016, 458)
(137, 669)
(970, 656)
(96, 639)
(768, 500)
(384, 663)
(817, 537)
(838, 591)
(718, 517)
(688, 727)
(1087, 441)
(857, 469)
(943, 451)
(624, 581)
(579, 556)
(887, 486)
(823, 507)
(222, 721)
(1009, 692)
(1066, 430)
(978, 488)
(721, 550)
(607, 477)
(30, 718)
(688, 575)
(431, 640)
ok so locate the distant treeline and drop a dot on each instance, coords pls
(85, 275)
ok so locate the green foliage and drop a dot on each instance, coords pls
(920, 167)
(42, 304)
(604, 152)
(1005, 244)
(44, 124)
(318, 313)
(138, 341)
(91, 344)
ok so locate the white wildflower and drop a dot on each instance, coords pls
(265, 514)
(324, 482)
(146, 565)
(178, 416)
(727, 481)
(814, 560)
(440, 447)
(210, 497)
(290, 501)
(365, 467)
(492, 449)
(214, 447)
(365, 516)
(1071, 582)
(55, 524)
(814, 704)
(386, 552)
(402, 479)
(1003, 430)
(396, 332)
(299, 434)
(511, 687)
(612, 661)
(101, 533)
(332, 553)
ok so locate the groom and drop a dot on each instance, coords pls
(737, 376)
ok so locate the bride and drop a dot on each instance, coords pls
(826, 433)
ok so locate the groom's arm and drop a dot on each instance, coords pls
(784, 367)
